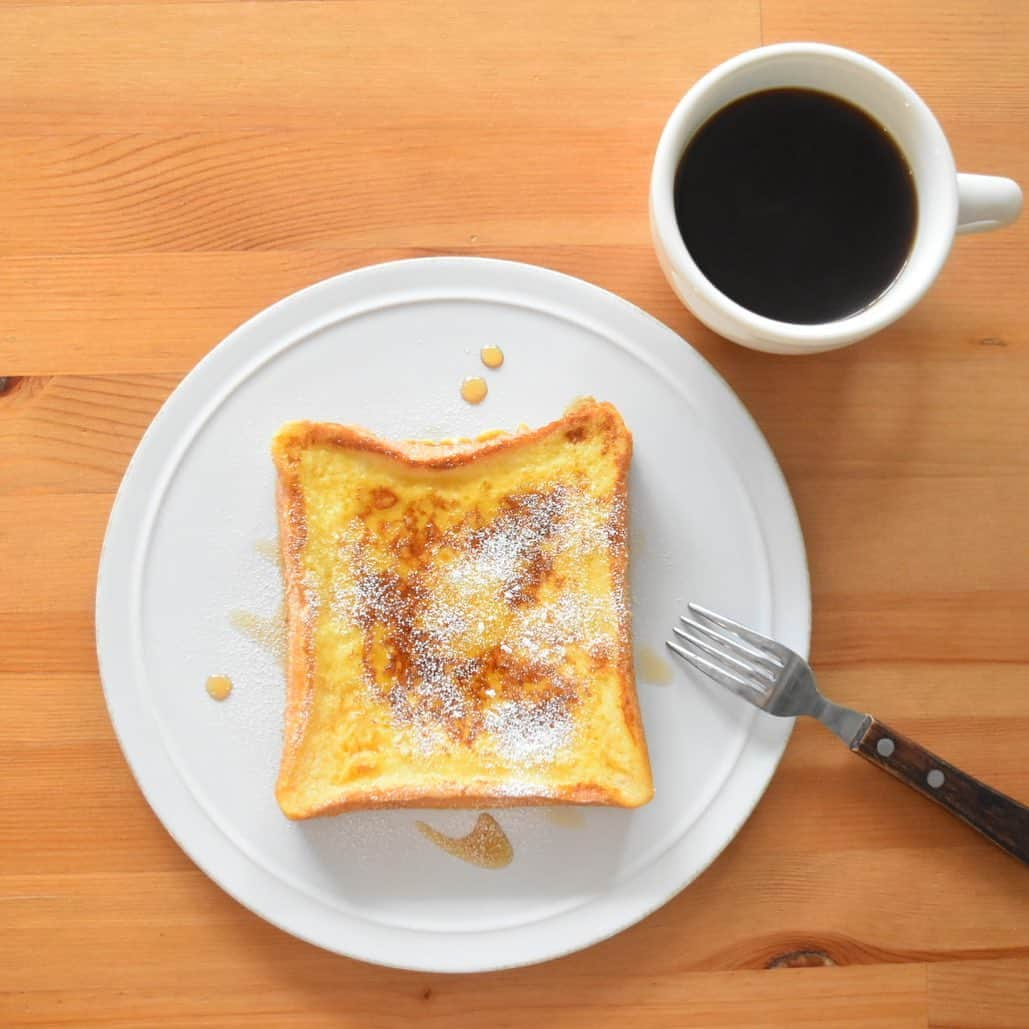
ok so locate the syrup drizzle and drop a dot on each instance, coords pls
(486, 845)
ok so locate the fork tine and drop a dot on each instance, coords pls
(752, 637)
(732, 682)
(765, 661)
(754, 672)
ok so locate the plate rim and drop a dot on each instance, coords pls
(120, 533)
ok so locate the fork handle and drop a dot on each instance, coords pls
(1000, 819)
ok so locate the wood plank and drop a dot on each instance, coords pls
(100, 802)
(74, 434)
(391, 66)
(324, 189)
(979, 994)
(979, 625)
(896, 531)
(54, 643)
(55, 707)
(107, 3)
(49, 551)
(309, 988)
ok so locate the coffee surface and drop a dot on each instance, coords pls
(797, 205)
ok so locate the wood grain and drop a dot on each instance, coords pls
(168, 169)
(452, 71)
(957, 999)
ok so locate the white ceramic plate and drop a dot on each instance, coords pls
(387, 347)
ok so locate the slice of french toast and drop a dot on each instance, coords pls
(459, 632)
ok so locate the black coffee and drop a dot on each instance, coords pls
(796, 204)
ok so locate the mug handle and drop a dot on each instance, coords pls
(986, 202)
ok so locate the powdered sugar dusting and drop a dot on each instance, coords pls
(530, 733)
(522, 788)
(470, 641)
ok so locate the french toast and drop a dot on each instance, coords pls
(459, 632)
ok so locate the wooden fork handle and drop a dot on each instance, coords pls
(1000, 819)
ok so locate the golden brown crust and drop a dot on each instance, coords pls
(443, 454)
(290, 443)
(459, 796)
(299, 645)
(620, 572)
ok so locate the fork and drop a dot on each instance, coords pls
(780, 682)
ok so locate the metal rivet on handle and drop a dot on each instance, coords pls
(935, 778)
(885, 747)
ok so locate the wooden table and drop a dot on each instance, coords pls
(168, 169)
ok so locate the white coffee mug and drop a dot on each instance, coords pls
(948, 203)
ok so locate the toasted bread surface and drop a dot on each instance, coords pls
(458, 624)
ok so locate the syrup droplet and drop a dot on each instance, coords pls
(269, 633)
(269, 550)
(219, 686)
(654, 668)
(474, 390)
(492, 357)
(486, 845)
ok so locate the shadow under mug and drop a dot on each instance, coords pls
(948, 202)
